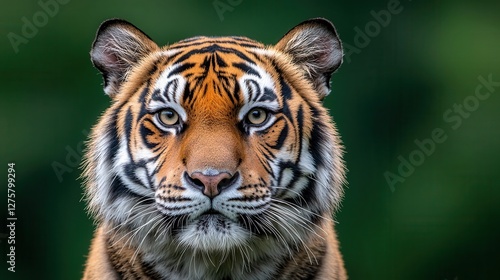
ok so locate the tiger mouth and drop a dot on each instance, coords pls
(213, 222)
(211, 212)
(212, 215)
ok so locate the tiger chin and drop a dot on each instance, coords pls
(216, 158)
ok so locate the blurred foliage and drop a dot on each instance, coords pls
(440, 223)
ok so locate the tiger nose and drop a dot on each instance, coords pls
(211, 185)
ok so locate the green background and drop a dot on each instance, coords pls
(439, 221)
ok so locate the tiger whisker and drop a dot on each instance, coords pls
(301, 209)
(293, 230)
(144, 238)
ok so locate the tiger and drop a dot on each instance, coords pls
(216, 158)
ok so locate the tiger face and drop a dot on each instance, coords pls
(215, 143)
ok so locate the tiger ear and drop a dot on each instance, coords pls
(315, 46)
(118, 46)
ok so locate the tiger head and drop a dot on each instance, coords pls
(213, 143)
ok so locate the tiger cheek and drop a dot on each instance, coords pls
(256, 180)
(169, 183)
(169, 166)
(281, 137)
(153, 138)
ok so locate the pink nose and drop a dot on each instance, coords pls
(211, 185)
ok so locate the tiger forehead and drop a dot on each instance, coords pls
(225, 68)
(225, 56)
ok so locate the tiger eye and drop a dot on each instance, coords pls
(169, 117)
(257, 116)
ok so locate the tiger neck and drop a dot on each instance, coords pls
(265, 259)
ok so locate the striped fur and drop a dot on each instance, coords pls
(214, 195)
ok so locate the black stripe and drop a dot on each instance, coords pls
(268, 155)
(220, 61)
(113, 144)
(112, 129)
(288, 165)
(211, 49)
(128, 132)
(227, 89)
(156, 95)
(265, 163)
(249, 45)
(236, 91)
(281, 138)
(148, 270)
(251, 86)
(285, 109)
(168, 59)
(187, 95)
(246, 68)
(114, 258)
(180, 68)
(130, 171)
(300, 125)
(154, 67)
(118, 189)
(260, 58)
(239, 41)
(268, 95)
(303, 269)
(307, 196)
(145, 132)
(204, 90)
(286, 92)
(317, 139)
(207, 64)
(171, 90)
(142, 99)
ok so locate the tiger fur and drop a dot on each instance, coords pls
(216, 158)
